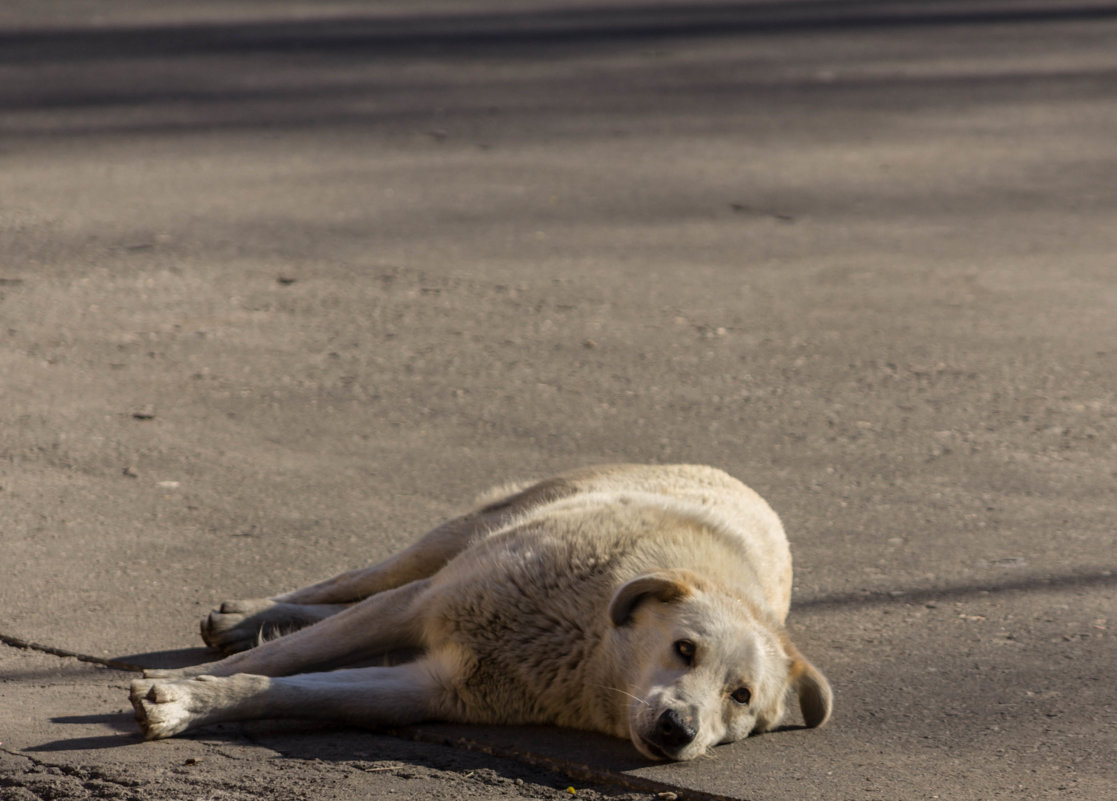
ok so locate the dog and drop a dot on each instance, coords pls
(645, 602)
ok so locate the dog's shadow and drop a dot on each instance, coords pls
(442, 746)
(163, 660)
(546, 756)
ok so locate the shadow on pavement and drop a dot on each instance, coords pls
(1101, 578)
(345, 70)
(97, 743)
(167, 660)
(388, 35)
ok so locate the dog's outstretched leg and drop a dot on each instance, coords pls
(385, 623)
(239, 625)
(378, 696)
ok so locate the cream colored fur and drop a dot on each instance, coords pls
(646, 602)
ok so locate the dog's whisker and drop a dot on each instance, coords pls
(623, 692)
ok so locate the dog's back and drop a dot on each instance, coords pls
(707, 498)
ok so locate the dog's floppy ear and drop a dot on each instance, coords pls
(666, 586)
(815, 697)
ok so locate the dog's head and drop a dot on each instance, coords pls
(704, 668)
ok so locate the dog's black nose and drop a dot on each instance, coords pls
(673, 731)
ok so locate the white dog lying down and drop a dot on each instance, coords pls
(645, 602)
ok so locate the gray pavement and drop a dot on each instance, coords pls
(284, 284)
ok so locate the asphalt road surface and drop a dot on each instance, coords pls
(284, 284)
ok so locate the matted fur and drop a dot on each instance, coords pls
(646, 602)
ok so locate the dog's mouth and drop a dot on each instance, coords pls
(650, 749)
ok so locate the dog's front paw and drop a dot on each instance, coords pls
(163, 708)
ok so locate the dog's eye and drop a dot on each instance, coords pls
(685, 649)
(742, 695)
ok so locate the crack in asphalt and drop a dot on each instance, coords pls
(26, 645)
(84, 776)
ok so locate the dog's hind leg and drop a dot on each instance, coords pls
(378, 696)
(238, 625)
(385, 623)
